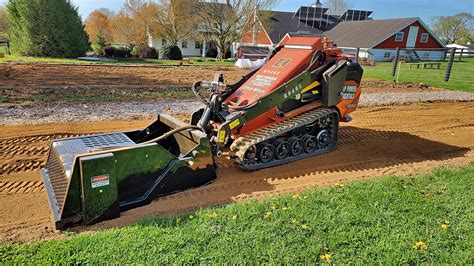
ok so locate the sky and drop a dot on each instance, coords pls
(425, 9)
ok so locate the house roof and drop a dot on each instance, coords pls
(283, 23)
(368, 33)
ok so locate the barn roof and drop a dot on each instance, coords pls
(368, 33)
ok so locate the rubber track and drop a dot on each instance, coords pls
(240, 146)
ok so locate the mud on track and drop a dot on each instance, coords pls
(402, 140)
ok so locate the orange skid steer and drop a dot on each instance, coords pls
(286, 110)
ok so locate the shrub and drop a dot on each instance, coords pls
(211, 60)
(122, 52)
(199, 59)
(117, 52)
(109, 51)
(171, 52)
(144, 51)
(212, 53)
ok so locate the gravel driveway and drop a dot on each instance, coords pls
(128, 111)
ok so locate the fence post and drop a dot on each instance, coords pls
(460, 56)
(450, 64)
(357, 55)
(395, 62)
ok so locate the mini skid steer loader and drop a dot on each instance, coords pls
(284, 111)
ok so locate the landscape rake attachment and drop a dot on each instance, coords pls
(92, 178)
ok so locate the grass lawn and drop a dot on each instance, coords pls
(462, 77)
(24, 59)
(391, 220)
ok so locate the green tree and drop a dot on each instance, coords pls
(50, 28)
(454, 29)
(4, 25)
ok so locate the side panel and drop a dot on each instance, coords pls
(99, 187)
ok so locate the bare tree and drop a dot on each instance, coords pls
(4, 24)
(336, 7)
(175, 20)
(224, 24)
(454, 29)
(109, 13)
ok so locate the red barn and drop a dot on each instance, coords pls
(379, 39)
(376, 39)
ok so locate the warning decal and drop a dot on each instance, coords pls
(100, 181)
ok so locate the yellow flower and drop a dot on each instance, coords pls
(284, 209)
(234, 217)
(190, 217)
(304, 226)
(272, 197)
(273, 207)
(294, 221)
(337, 184)
(178, 220)
(325, 257)
(445, 225)
(268, 214)
(296, 196)
(305, 197)
(420, 245)
(213, 215)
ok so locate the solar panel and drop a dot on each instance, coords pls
(355, 15)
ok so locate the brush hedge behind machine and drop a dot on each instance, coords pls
(284, 111)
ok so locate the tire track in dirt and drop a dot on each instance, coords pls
(19, 166)
(21, 187)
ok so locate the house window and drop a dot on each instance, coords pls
(426, 56)
(163, 42)
(197, 45)
(424, 37)
(184, 44)
(387, 55)
(399, 37)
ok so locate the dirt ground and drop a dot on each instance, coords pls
(381, 141)
(56, 84)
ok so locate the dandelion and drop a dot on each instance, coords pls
(294, 221)
(284, 209)
(296, 196)
(272, 197)
(178, 220)
(273, 207)
(445, 225)
(234, 217)
(304, 226)
(325, 257)
(268, 214)
(305, 197)
(213, 215)
(338, 184)
(420, 245)
(190, 217)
